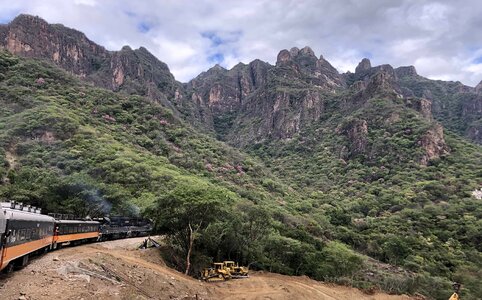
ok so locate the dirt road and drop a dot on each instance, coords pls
(117, 270)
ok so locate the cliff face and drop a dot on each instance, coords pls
(256, 103)
(456, 106)
(33, 37)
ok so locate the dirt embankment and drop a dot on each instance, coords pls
(117, 270)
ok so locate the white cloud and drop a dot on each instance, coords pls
(86, 2)
(441, 38)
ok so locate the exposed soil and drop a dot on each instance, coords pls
(117, 270)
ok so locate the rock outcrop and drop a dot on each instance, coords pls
(356, 132)
(422, 105)
(478, 88)
(31, 36)
(433, 144)
(363, 66)
(304, 63)
(408, 71)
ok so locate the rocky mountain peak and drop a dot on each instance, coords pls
(294, 51)
(24, 19)
(126, 48)
(218, 67)
(478, 88)
(307, 51)
(316, 71)
(364, 65)
(32, 36)
(406, 71)
(297, 55)
(284, 56)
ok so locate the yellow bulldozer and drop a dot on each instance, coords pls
(222, 271)
(235, 270)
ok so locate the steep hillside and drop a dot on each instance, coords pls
(54, 126)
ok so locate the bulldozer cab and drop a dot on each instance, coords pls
(230, 264)
(218, 266)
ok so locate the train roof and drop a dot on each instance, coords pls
(14, 214)
(17, 211)
(76, 222)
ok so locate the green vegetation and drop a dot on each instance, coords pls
(316, 205)
(371, 192)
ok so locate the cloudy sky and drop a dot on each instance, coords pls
(442, 39)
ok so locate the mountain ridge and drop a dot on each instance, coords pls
(140, 72)
(378, 159)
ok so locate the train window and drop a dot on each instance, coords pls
(22, 234)
(12, 237)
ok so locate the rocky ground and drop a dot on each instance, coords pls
(118, 270)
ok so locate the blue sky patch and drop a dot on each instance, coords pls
(215, 39)
(6, 17)
(221, 38)
(216, 58)
(143, 27)
(478, 60)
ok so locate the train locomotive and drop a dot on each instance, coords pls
(25, 231)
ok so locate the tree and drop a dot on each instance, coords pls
(184, 213)
(339, 260)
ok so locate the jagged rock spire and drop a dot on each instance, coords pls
(364, 65)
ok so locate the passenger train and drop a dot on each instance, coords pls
(25, 231)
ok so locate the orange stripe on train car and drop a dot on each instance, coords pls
(13, 252)
(75, 236)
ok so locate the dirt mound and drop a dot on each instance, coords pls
(117, 270)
